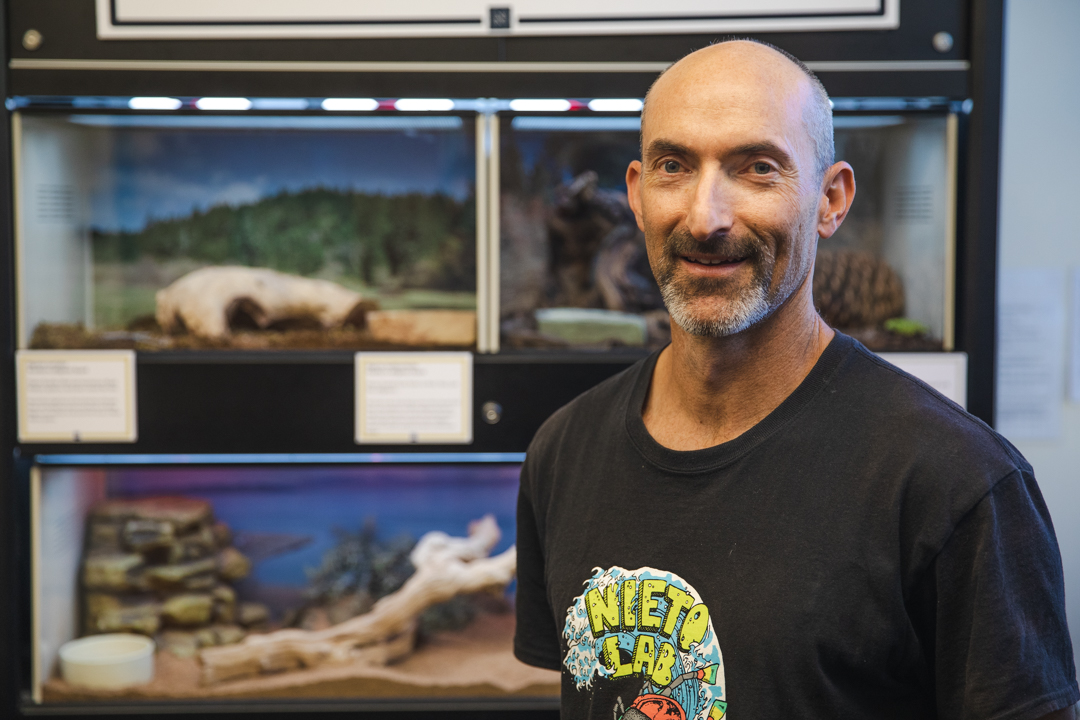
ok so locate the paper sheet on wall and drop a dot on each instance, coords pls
(421, 397)
(1031, 352)
(76, 396)
(1074, 339)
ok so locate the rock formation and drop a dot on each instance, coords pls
(163, 567)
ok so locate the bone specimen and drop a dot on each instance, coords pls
(205, 300)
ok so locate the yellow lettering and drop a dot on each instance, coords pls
(644, 654)
(603, 609)
(629, 610)
(649, 590)
(610, 654)
(694, 626)
(679, 600)
(665, 660)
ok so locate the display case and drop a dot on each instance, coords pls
(369, 581)
(195, 228)
(189, 229)
(160, 180)
(574, 271)
(887, 277)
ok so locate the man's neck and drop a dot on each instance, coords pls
(707, 391)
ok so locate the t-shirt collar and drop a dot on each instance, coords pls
(693, 461)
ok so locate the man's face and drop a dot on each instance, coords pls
(727, 190)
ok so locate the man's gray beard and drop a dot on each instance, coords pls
(743, 312)
(749, 309)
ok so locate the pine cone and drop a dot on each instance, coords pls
(856, 289)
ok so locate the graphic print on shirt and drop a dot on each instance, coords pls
(647, 635)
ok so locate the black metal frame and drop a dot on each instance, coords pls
(309, 406)
(68, 29)
(976, 308)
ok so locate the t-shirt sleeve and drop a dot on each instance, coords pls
(1000, 645)
(536, 638)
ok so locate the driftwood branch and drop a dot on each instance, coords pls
(445, 567)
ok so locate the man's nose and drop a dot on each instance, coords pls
(710, 210)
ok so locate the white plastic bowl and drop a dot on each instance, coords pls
(108, 662)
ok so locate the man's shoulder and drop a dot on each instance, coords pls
(901, 446)
(892, 407)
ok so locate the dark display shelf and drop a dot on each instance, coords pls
(279, 403)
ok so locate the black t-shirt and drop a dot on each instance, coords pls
(868, 550)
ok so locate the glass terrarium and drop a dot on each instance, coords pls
(573, 270)
(161, 231)
(574, 273)
(887, 276)
(337, 582)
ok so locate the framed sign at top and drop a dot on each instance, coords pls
(135, 19)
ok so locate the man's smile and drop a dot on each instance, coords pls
(711, 265)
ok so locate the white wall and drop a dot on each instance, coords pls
(1040, 219)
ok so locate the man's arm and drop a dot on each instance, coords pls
(1000, 639)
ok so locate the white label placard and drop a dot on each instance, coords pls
(431, 18)
(76, 395)
(945, 372)
(414, 397)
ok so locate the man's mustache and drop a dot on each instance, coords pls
(681, 242)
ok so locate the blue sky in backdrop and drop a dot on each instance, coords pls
(310, 501)
(152, 174)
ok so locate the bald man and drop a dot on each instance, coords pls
(764, 518)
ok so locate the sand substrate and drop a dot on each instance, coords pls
(61, 336)
(474, 662)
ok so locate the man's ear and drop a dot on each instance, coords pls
(837, 194)
(633, 191)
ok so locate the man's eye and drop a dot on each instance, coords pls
(672, 167)
(762, 168)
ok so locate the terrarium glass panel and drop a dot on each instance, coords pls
(196, 231)
(886, 277)
(573, 268)
(574, 271)
(365, 581)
